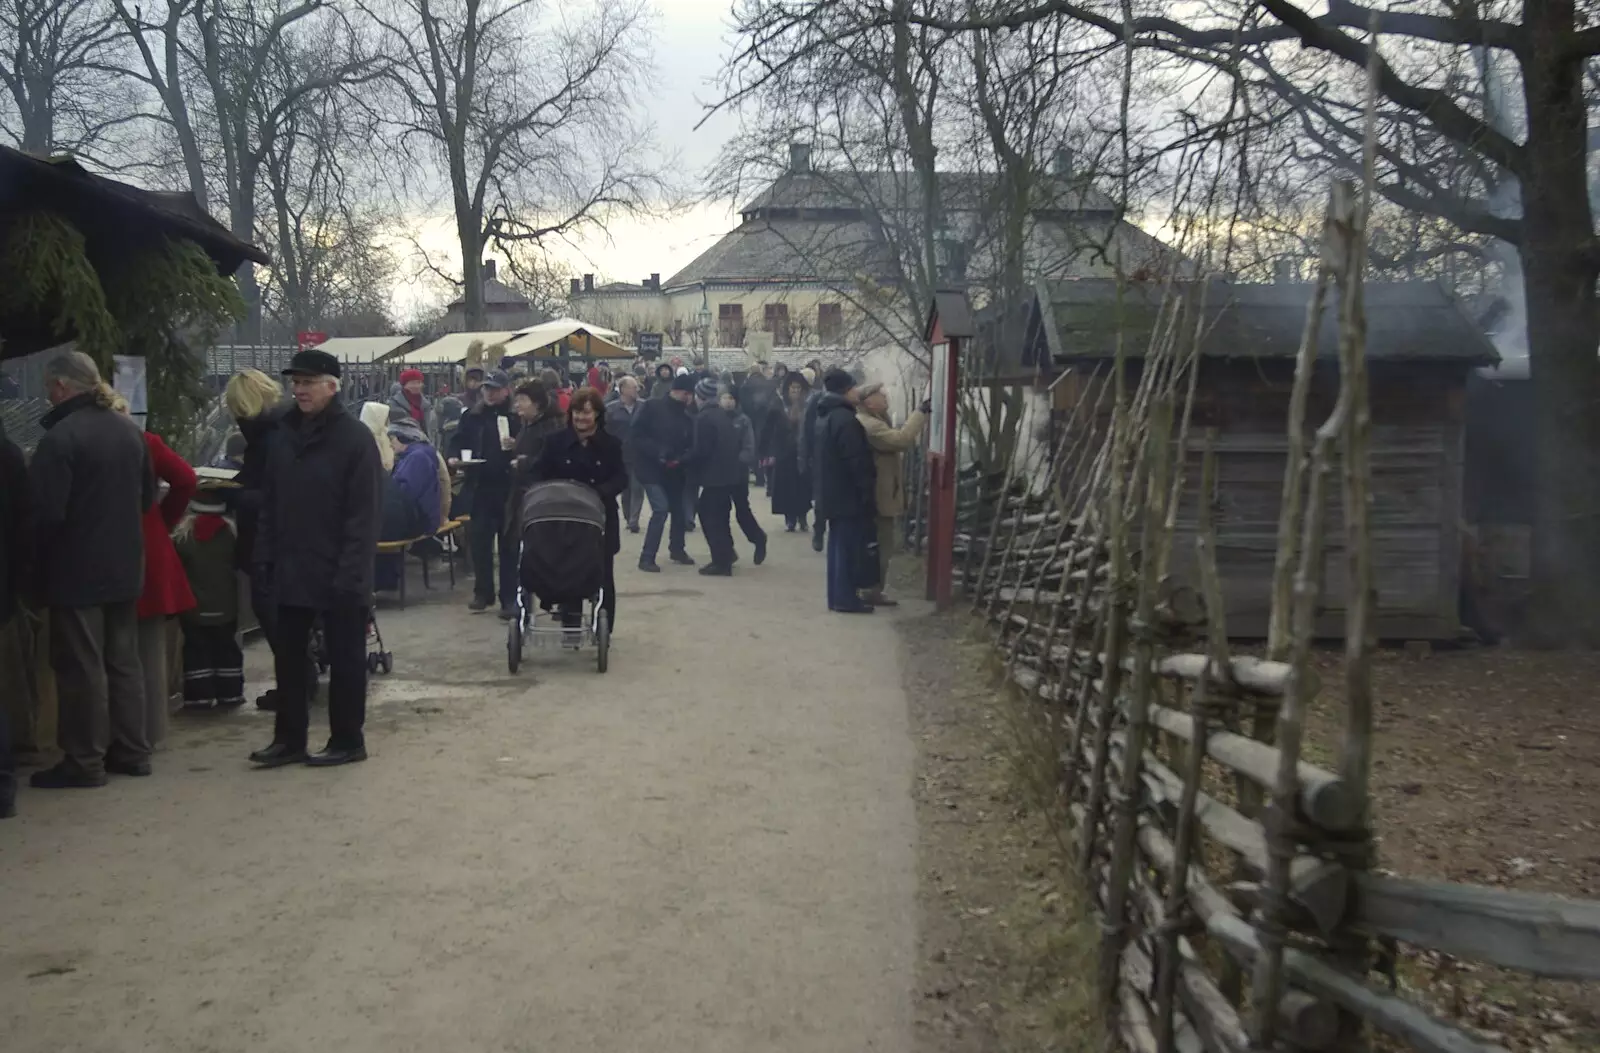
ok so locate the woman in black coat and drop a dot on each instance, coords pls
(780, 435)
(584, 452)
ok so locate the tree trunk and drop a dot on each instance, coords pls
(1559, 272)
(469, 233)
(243, 217)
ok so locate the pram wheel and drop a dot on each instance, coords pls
(602, 639)
(372, 662)
(386, 662)
(514, 642)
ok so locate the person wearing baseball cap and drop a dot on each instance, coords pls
(316, 540)
(487, 493)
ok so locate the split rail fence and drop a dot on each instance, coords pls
(1233, 882)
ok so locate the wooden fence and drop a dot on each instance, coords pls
(1234, 882)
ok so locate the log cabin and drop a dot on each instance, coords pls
(1421, 348)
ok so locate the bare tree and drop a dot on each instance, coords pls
(57, 64)
(215, 65)
(526, 112)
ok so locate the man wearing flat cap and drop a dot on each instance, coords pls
(321, 508)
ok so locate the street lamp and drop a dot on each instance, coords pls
(705, 330)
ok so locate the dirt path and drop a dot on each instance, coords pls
(712, 847)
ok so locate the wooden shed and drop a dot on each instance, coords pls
(1421, 349)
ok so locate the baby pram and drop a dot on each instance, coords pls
(561, 562)
(378, 660)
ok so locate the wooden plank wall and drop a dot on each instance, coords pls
(1417, 444)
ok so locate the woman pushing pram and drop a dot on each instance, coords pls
(569, 540)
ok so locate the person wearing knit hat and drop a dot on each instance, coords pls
(213, 664)
(847, 494)
(706, 391)
(409, 401)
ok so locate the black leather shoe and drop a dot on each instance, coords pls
(508, 614)
(761, 552)
(649, 566)
(116, 766)
(682, 558)
(478, 604)
(66, 776)
(335, 755)
(817, 542)
(268, 701)
(277, 755)
(713, 570)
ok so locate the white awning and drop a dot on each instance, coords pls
(452, 347)
(577, 337)
(360, 350)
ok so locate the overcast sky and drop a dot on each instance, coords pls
(689, 44)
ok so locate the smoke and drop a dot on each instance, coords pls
(1510, 333)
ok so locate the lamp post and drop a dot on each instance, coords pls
(705, 330)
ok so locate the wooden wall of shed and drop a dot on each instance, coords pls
(1417, 455)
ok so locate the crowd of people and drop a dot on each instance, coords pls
(113, 535)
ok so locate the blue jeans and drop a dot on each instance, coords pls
(847, 541)
(666, 502)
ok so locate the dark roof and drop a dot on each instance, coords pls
(1406, 321)
(958, 191)
(496, 291)
(953, 311)
(790, 250)
(89, 201)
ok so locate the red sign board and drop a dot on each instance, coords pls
(311, 339)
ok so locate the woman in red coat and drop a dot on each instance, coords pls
(166, 587)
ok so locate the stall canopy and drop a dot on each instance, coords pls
(578, 339)
(363, 350)
(452, 347)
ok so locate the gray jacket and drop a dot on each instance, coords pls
(619, 422)
(91, 483)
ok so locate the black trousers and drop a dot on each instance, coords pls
(572, 614)
(716, 508)
(749, 526)
(488, 529)
(345, 631)
(213, 664)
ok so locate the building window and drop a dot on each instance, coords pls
(730, 325)
(775, 320)
(830, 323)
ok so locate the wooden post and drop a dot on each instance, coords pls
(942, 473)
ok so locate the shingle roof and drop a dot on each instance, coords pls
(790, 250)
(496, 291)
(958, 191)
(1406, 321)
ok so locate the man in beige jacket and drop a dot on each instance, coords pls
(889, 445)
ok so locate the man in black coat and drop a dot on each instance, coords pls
(755, 399)
(91, 483)
(662, 436)
(846, 493)
(489, 492)
(714, 462)
(16, 547)
(317, 537)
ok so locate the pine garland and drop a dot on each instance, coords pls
(45, 274)
(159, 299)
(169, 299)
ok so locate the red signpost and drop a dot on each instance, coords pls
(948, 330)
(310, 339)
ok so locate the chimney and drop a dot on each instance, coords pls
(588, 283)
(1283, 271)
(488, 270)
(1061, 163)
(655, 281)
(799, 158)
(577, 286)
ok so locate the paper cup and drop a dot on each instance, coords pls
(466, 455)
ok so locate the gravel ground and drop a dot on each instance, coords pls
(711, 848)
